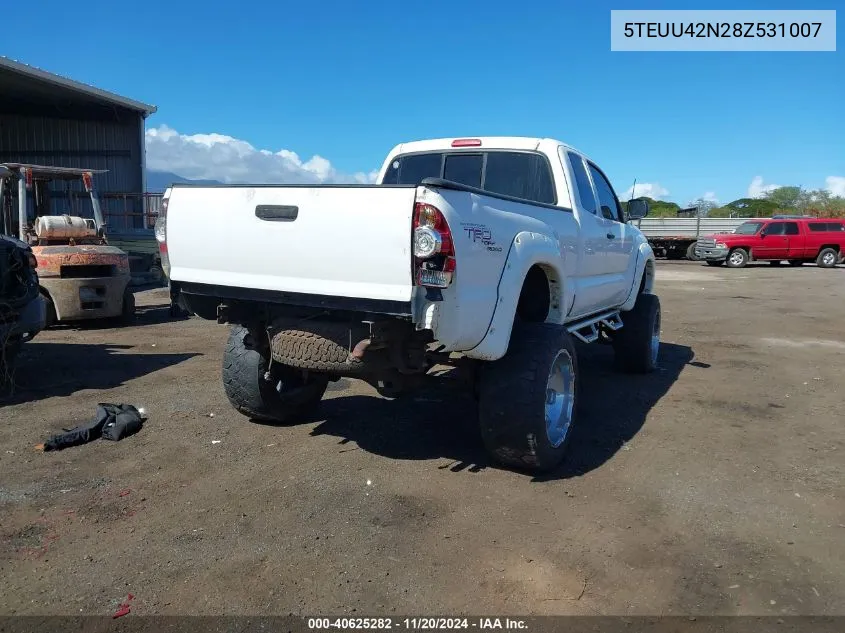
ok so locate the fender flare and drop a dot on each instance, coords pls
(527, 249)
(644, 275)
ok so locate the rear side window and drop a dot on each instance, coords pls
(582, 183)
(826, 227)
(524, 176)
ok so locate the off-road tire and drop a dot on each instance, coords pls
(742, 258)
(245, 363)
(632, 344)
(324, 348)
(716, 262)
(825, 254)
(512, 395)
(796, 262)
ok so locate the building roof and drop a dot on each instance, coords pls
(38, 81)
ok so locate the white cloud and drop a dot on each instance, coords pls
(757, 189)
(650, 190)
(835, 185)
(231, 160)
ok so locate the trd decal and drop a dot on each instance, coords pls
(480, 234)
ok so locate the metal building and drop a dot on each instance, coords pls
(51, 120)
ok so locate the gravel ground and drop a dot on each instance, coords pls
(711, 487)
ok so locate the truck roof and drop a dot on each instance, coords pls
(527, 143)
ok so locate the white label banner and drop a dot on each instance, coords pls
(758, 30)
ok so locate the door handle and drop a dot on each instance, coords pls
(611, 236)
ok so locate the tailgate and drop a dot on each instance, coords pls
(346, 241)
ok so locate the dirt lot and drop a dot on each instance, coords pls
(711, 487)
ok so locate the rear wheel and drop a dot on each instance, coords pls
(737, 258)
(263, 390)
(827, 258)
(637, 344)
(528, 398)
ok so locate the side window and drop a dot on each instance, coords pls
(790, 228)
(608, 203)
(775, 228)
(521, 175)
(582, 183)
(818, 227)
(464, 168)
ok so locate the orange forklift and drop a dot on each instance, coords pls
(81, 276)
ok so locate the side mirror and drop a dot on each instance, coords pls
(637, 209)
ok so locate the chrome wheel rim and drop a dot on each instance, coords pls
(560, 398)
(828, 259)
(736, 258)
(655, 339)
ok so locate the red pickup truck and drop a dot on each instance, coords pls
(797, 240)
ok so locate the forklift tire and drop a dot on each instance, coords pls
(50, 318)
(128, 313)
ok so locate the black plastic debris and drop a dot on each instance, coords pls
(113, 422)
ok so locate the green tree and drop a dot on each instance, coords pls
(745, 208)
(787, 198)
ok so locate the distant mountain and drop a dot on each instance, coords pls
(158, 181)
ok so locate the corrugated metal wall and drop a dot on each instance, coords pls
(114, 145)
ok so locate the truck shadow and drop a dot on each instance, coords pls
(46, 370)
(440, 421)
(153, 314)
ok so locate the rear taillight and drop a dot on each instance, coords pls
(161, 236)
(434, 250)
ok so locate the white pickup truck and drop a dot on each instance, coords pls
(492, 253)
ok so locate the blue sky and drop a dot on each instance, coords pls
(347, 81)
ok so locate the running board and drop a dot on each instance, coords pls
(588, 330)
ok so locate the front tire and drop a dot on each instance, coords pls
(691, 253)
(737, 258)
(827, 258)
(637, 344)
(264, 391)
(528, 399)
